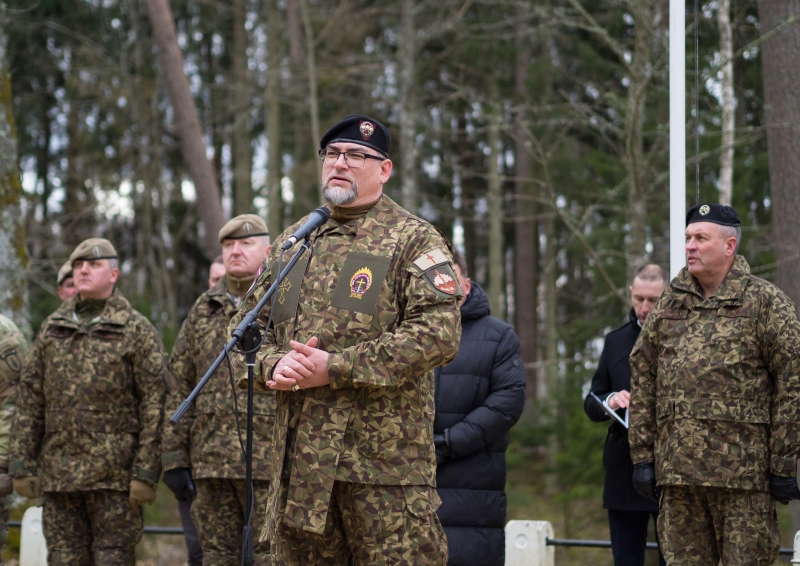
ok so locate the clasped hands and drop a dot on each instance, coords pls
(304, 367)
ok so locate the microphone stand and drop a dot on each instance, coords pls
(249, 335)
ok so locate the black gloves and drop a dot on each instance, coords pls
(644, 480)
(180, 482)
(783, 489)
(442, 444)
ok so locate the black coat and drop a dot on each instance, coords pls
(479, 396)
(614, 374)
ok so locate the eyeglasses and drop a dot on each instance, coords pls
(352, 158)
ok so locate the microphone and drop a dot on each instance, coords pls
(316, 219)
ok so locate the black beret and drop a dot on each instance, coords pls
(362, 130)
(716, 213)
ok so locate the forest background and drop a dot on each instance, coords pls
(534, 134)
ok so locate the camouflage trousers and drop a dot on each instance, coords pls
(703, 525)
(218, 512)
(87, 528)
(5, 512)
(368, 525)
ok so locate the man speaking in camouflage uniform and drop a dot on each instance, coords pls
(203, 448)
(358, 327)
(12, 352)
(714, 402)
(87, 430)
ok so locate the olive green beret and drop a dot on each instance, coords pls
(243, 226)
(93, 248)
(64, 272)
(12, 352)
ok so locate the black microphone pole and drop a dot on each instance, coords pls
(249, 335)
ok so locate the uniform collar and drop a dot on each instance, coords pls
(731, 289)
(115, 312)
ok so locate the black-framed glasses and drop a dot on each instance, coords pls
(352, 158)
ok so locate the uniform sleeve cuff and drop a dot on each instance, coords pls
(149, 476)
(18, 469)
(177, 459)
(642, 456)
(785, 467)
(340, 370)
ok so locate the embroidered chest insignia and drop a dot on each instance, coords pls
(444, 283)
(367, 129)
(360, 282)
(282, 288)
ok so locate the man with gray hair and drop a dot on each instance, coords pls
(715, 427)
(628, 512)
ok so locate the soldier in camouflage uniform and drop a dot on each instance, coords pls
(12, 352)
(87, 429)
(65, 283)
(714, 403)
(203, 449)
(358, 327)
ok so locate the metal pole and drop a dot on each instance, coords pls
(677, 134)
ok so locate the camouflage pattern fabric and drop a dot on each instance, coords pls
(12, 352)
(715, 387)
(374, 423)
(206, 439)
(218, 511)
(91, 528)
(6, 503)
(90, 401)
(700, 526)
(369, 525)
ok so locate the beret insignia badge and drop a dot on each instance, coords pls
(444, 283)
(360, 282)
(96, 251)
(705, 209)
(367, 129)
(247, 227)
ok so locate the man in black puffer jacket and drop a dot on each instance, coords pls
(479, 396)
(628, 512)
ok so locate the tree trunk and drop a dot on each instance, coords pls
(634, 139)
(550, 313)
(526, 226)
(312, 83)
(187, 123)
(406, 52)
(494, 196)
(13, 256)
(781, 90)
(240, 98)
(728, 116)
(274, 161)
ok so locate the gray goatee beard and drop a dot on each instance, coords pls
(340, 196)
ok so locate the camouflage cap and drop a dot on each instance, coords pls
(243, 226)
(93, 248)
(12, 352)
(64, 272)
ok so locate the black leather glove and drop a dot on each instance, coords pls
(180, 482)
(440, 441)
(644, 480)
(783, 489)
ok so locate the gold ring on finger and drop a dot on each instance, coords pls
(296, 387)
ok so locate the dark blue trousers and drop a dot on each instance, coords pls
(629, 536)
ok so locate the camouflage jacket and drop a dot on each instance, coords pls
(715, 386)
(380, 294)
(206, 439)
(90, 401)
(12, 352)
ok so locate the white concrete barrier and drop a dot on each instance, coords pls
(32, 546)
(796, 557)
(526, 544)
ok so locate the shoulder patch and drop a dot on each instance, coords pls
(443, 279)
(431, 259)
